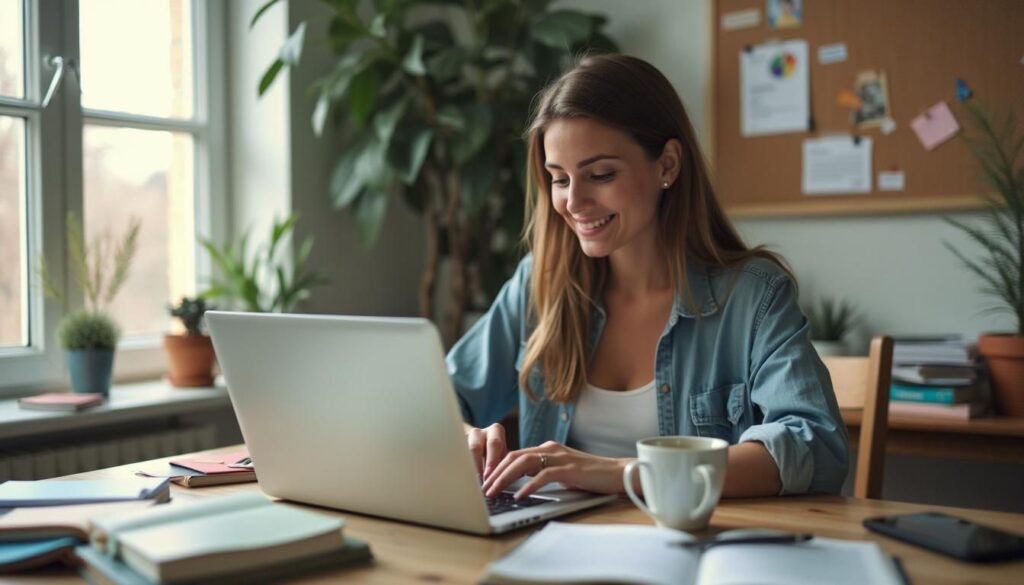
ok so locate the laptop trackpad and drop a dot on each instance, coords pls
(554, 491)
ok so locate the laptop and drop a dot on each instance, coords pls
(359, 414)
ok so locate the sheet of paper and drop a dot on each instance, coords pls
(775, 88)
(892, 181)
(741, 19)
(935, 126)
(836, 165)
(834, 53)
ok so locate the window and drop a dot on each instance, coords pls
(136, 93)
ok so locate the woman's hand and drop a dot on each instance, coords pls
(487, 446)
(555, 462)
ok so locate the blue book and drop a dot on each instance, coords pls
(20, 556)
(933, 394)
(62, 492)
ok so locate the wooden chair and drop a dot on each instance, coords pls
(863, 383)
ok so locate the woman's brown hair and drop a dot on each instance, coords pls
(632, 96)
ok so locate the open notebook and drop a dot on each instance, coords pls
(608, 553)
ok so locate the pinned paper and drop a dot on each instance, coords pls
(785, 13)
(836, 165)
(888, 126)
(935, 126)
(848, 99)
(834, 53)
(872, 89)
(775, 88)
(892, 180)
(741, 19)
(962, 91)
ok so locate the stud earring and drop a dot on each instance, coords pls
(664, 185)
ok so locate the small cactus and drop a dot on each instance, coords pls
(88, 330)
(191, 311)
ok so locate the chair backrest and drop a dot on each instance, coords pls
(863, 383)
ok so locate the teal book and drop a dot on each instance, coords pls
(63, 492)
(933, 394)
(99, 568)
(29, 554)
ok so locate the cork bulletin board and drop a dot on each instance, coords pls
(922, 46)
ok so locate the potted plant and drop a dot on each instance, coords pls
(268, 281)
(997, 149)
(436, 103)
(190, 355)
(89, 336)
(829, 323)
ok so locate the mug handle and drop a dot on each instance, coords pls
(707, 475)
(627, 479)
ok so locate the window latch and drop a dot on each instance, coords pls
(59, 63)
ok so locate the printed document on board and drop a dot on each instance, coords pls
(837, 165)
(775, 88)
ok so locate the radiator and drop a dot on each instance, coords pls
(107, 451)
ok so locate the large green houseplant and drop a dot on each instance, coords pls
(436, 96)
(996, 146)
(89, 335)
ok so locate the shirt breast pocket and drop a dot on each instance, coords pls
(719, 412)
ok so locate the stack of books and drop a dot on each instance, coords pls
(936, 377)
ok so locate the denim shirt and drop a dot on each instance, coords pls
(741, 369)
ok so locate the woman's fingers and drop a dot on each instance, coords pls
(475, 439)
(566, 474)
(495, 447)
(516, 465)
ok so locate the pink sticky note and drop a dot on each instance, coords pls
(935, 126)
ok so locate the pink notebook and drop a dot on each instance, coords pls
(214, 464)
(60, 401)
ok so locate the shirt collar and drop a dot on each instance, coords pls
(702, 295)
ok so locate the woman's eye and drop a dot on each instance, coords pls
(603, 178)
(560, 182)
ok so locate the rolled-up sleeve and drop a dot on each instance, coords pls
(482, 365)
(801, 427)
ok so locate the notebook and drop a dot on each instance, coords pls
(60, 401)
(615, 553)
(21, 556)
(216, 538)
(38, 522)
(60, 492)
(203, 470)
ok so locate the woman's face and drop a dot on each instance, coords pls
(604, 185)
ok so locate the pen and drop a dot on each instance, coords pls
(765, 539)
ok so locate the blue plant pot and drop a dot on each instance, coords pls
(90, 370)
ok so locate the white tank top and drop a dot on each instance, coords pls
(609, 423)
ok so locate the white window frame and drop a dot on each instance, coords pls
(54, 184)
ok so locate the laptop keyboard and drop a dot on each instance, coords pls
(505, 502)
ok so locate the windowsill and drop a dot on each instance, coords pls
(127, 402)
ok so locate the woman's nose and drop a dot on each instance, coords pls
(577, 199)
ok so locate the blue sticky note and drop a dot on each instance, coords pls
(962, 91)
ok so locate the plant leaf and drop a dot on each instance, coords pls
(408, 150)
(476, 185)
(478, 129)
(369, 213)
(291, 51)
(413, 62)
(362, 93)
(561, 29)
(261, 11)
(270, 75)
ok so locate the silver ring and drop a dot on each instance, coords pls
(543, 462)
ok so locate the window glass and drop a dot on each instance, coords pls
(147, 174)
(13, 265)
(137, 56)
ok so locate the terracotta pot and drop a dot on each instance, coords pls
(190, 360)
(1005, 356)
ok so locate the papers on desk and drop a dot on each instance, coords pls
(616, 553)
(837, 165)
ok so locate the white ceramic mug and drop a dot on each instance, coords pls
(682, 479)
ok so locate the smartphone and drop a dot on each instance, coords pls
(951, 536)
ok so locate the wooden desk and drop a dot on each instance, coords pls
(999, 439)
(407, 553)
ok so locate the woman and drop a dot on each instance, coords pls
(639, 311)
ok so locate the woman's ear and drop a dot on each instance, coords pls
(670, 160)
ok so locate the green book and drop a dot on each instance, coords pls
(933, 394)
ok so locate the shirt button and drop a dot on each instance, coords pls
(565, 416)
(664, 388)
